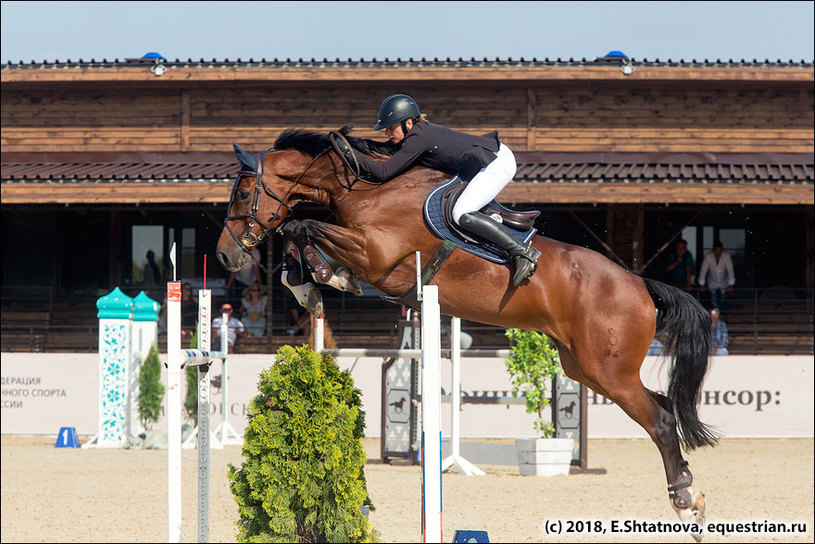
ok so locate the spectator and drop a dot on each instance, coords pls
(718, 334)
(657, 345)
(240, 280)
(680, 265)
(717, 275)
(253, 309)
(235, 326)
(153, 279)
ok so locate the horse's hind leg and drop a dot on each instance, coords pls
(687, 502)
(621, 384)
(645, 407)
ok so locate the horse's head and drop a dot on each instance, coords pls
(268, 186)
(258, 204)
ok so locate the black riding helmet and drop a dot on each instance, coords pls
(395, 108)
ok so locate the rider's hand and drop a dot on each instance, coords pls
(343, 146)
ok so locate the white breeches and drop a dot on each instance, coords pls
(487, 183)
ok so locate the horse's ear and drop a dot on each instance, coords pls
(246, 160)
(347, 129)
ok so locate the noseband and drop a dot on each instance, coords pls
(249, 239)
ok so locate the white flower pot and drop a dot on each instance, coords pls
(544, 456)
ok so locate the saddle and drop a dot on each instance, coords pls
(438, 214)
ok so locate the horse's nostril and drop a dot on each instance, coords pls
(224, 260)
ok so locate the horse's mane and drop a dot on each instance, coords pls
(313, 143)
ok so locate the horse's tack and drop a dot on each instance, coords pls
(249, 239)
(434, 216)
(678, 491)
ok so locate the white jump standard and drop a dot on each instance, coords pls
(176, 359)
(430, 406)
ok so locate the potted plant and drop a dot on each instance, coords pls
(533, 363)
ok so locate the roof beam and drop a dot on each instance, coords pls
(518, 192)
(197, 75)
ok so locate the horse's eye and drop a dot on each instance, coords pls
(243, 194)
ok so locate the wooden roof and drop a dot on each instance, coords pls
(243, 71)
(127, 178)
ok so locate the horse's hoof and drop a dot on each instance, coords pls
(345, 280)
(695, 513)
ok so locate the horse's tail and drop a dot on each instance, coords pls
(686, 327)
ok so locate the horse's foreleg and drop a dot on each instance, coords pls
(346, 246)
(340, 278)
(298, 233)
(306, 293)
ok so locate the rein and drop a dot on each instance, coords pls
(335, 135)
(249, 239)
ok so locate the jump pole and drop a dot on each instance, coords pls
(205, 343)
(431, 402)
(455, 458)
(176, 359)
(431, 416)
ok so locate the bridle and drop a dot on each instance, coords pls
(249, 239)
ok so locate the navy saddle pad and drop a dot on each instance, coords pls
(435, 221)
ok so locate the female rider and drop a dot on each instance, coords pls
(482, 161)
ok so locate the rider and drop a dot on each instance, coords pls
(482, 161)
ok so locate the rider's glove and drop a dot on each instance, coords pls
(342, 145)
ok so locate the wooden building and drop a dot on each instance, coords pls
(100, 158)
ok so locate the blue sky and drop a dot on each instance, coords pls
(37, 31)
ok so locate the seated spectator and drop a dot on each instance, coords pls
(718, 334)
(253, 309)
(657, 346)
(235, 326)
(189, 311)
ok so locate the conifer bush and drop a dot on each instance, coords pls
(191, 375)
(150, 389)
(302, 478)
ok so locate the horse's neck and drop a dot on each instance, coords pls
(406, 192)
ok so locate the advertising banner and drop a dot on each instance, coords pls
(743, 397)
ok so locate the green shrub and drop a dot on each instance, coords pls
(151, 392)
(191, 373)
(532, 363)
(303, 477)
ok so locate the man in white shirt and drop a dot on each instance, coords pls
(717, 275)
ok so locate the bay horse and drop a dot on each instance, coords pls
(601, 317)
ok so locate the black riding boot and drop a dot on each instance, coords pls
(525, 258)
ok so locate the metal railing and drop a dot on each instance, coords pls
(760, 321)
